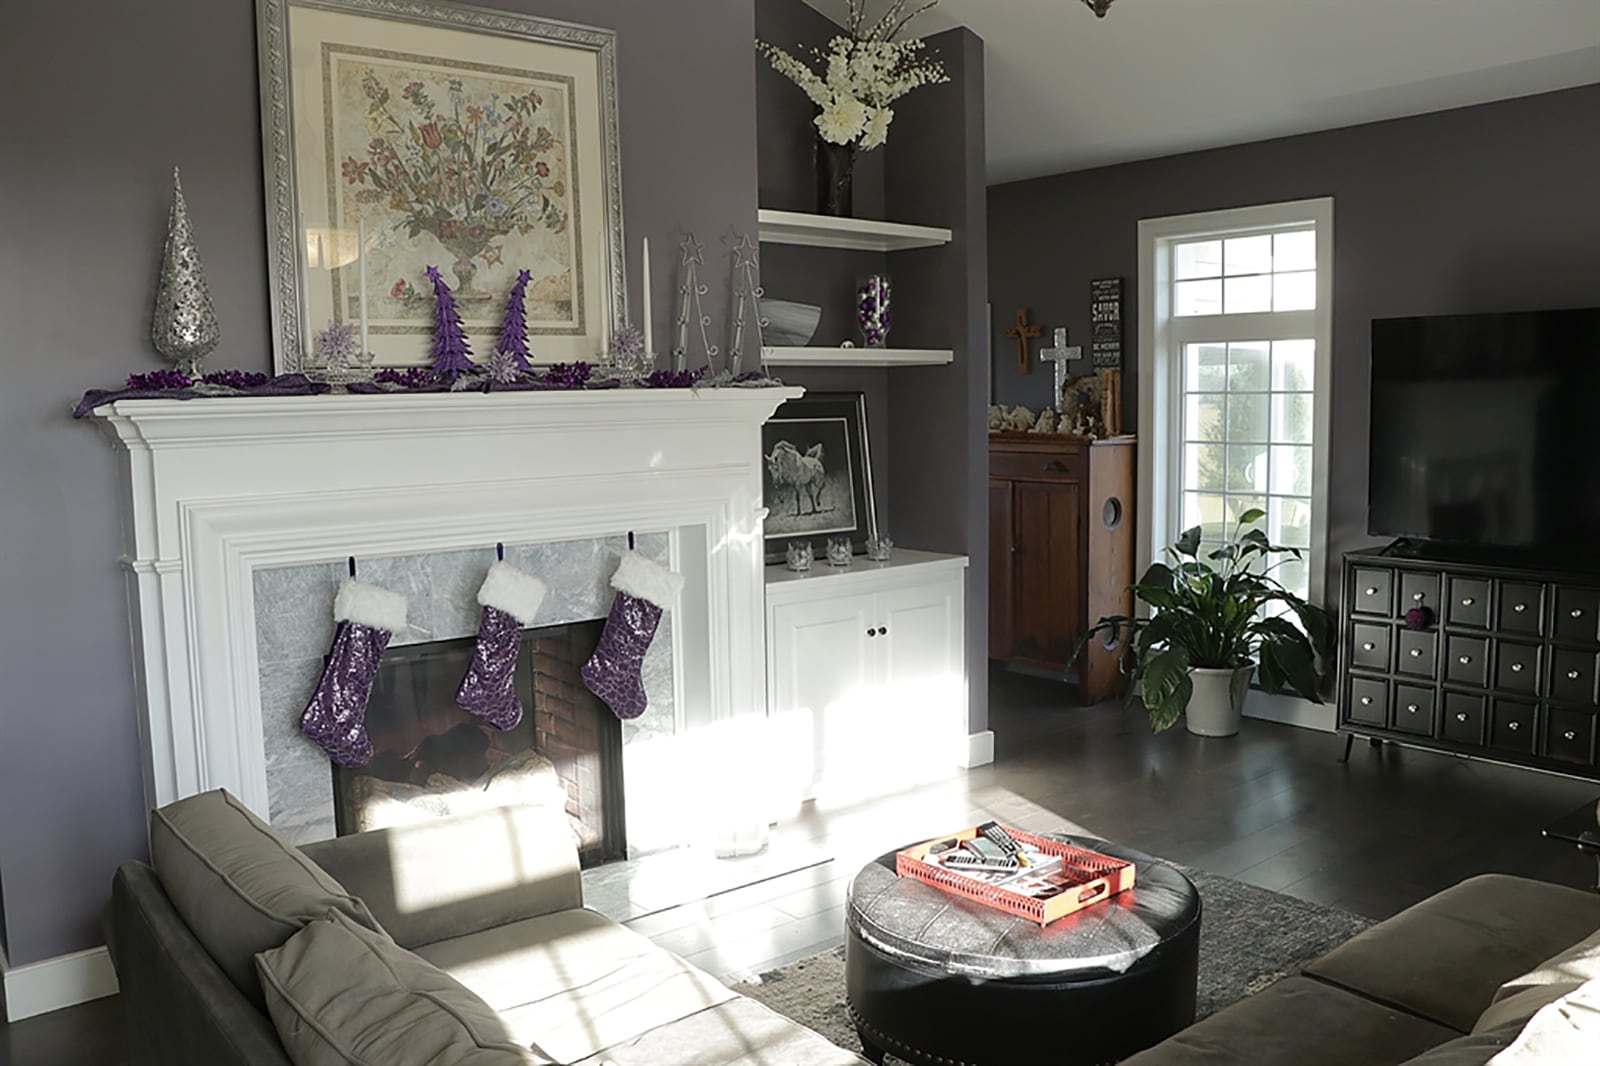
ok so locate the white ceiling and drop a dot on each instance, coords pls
(1154, 77)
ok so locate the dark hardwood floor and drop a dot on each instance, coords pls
(1273, 807)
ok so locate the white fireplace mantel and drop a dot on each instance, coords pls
(216, 489)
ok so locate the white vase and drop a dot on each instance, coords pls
(1217, 702)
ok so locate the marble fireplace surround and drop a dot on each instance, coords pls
(223, 497)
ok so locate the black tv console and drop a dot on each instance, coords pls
(1505, 668)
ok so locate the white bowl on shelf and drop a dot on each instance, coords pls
(788, 324)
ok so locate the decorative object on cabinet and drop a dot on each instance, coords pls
(458, 85)
(860, 76)
(875, 309)
(840, 551)
(1505, 670)
(799, 555)
(184, 329)
(1219, 616)
(788, 324)
(1061, 552)
(880, 549)
(819, 472)
(1059, 356)
(1105, 317)
(1022, 333)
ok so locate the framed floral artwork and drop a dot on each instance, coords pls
(400, 135)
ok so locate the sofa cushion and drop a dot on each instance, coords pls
(740, 1032)
(240, 887)
(460, 874)
(1519, 998)
(1298, 1022)
(1444, 958)
(340, 994)
(1567, 1030)
(575, 983)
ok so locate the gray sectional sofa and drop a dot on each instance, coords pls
(463, 940)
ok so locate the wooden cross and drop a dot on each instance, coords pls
(1022, 333)
(1061, 355)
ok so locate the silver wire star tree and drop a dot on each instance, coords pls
(185, 326)
(747, 293)
(691, 290)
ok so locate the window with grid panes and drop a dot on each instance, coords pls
(1245, 378)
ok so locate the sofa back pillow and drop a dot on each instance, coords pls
(1521, 997)
(239, 886)
(1565, 1030)
(339, 993)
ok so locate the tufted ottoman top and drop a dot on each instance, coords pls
(918, 924)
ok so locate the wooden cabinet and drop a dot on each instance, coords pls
(1061, 544)
(868, 666)
(1508, 669)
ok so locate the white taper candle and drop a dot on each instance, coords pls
(361, 259)
(649, 332)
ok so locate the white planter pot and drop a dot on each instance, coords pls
(1217, 703)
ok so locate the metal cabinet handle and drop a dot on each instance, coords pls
(1574, 674)
(1519, 608)
(1468, 602)
(1513, 726)
(1461, 716)
(1577, 612)
(1372, 590)
(883, 631)
(1516, 668)
(1412, 707)
(872, 632)
(1419, 597)
(1366, 701)
(1368, 646)
(1570, 735)
(1416, 653)
(1465, 659)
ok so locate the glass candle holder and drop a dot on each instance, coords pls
(879, 549)
(839, 551)
(797, 556)
(875, 309)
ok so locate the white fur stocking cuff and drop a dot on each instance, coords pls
(638, 576)
(369, 605)
(513, 591)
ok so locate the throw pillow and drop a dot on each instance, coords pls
(1567, 1030)
(1519, 998)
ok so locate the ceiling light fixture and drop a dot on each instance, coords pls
(1099, 7)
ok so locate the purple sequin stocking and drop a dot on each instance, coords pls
(613, 672)
(336, 717)
(489, 689)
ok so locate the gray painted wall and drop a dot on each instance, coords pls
(1487, 208)
(84, 184)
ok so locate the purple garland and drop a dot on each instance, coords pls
(176, 385)
(674, 379)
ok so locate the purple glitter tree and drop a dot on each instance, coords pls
(513, 343)
(452, 355)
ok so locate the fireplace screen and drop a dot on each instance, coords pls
(432, 759)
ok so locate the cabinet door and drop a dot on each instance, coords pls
(922, 687)
(820, 678)
(1002, 564)
(1047, 615)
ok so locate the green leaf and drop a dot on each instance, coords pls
(1252, 516)
(1189, 543)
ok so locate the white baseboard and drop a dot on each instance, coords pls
(980, 749)
(1292, 710)
(63, 981)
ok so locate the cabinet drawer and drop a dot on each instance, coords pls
(1569, 736)
(1520, 608)
(1512, 726)
(1368, 702)
(1417, 652)
(1572, 676)
(1369, 646)
(1413, 710)
(1372, 590)
(1516, 668)
(1576, 611)
(1418, 590)
(1467, 603)
(1463, 717)
(1036, 466)
(1466, 661)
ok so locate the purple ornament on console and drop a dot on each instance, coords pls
(1419, 617)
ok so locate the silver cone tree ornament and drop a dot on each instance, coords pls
(185, 328)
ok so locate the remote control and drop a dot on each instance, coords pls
(1000, 838)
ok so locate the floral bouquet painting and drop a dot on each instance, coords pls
(470, 167)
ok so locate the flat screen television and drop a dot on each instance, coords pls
(1486, 429)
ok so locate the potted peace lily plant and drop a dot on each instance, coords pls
(1215, 621)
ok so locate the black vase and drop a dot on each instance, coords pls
(835, 168)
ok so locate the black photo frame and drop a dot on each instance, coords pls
(817, 473)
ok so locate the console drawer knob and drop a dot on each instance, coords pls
(1412, 707)
(1416, 653)
(1465, 659)
(1570, 735)
(1514, 726)
(1461, 716)
(1577, 612)
(1519, 608)
(1368, 646)
(1468, 602)
(1516, 668)
(1372, 590)
(1417, 596)
(1574, 674)
(1366, 701)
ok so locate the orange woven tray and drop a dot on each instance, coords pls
(1093, 877)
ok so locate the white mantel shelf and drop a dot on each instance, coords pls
(809, 356)
(858, 234)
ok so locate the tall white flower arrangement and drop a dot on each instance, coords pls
(858, 76)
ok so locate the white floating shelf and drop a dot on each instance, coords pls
(859, 234)
(859, 356)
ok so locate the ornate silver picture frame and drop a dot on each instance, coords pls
(403, 134)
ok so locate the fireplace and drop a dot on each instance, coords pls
(432, 759)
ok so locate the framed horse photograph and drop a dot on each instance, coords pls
(818, 482)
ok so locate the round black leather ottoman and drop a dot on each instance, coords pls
(938, 980)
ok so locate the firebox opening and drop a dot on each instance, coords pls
(432, 759)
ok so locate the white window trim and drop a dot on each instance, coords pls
(1159, 380)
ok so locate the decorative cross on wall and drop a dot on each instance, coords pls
(1061, 355)
(1022, 333)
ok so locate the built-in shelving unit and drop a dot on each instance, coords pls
(857, 234)
(859, 356)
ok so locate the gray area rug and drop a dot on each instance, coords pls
(1249, 938)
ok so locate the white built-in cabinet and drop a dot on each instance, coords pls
(866, 671)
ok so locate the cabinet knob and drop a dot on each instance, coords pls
(1513, 726)
(1368, 646)
(1573, 675)
(872, 632)
(1468, 601)
(1416, 653)
(1412, 707)
(1372, 590)
(1516, 668)
(1465, 659)
(1461, 716)
(1577, 612)
(1417, 596)
(1570, 735)
(1366, 701)
(883, 631)
(1519, 608)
